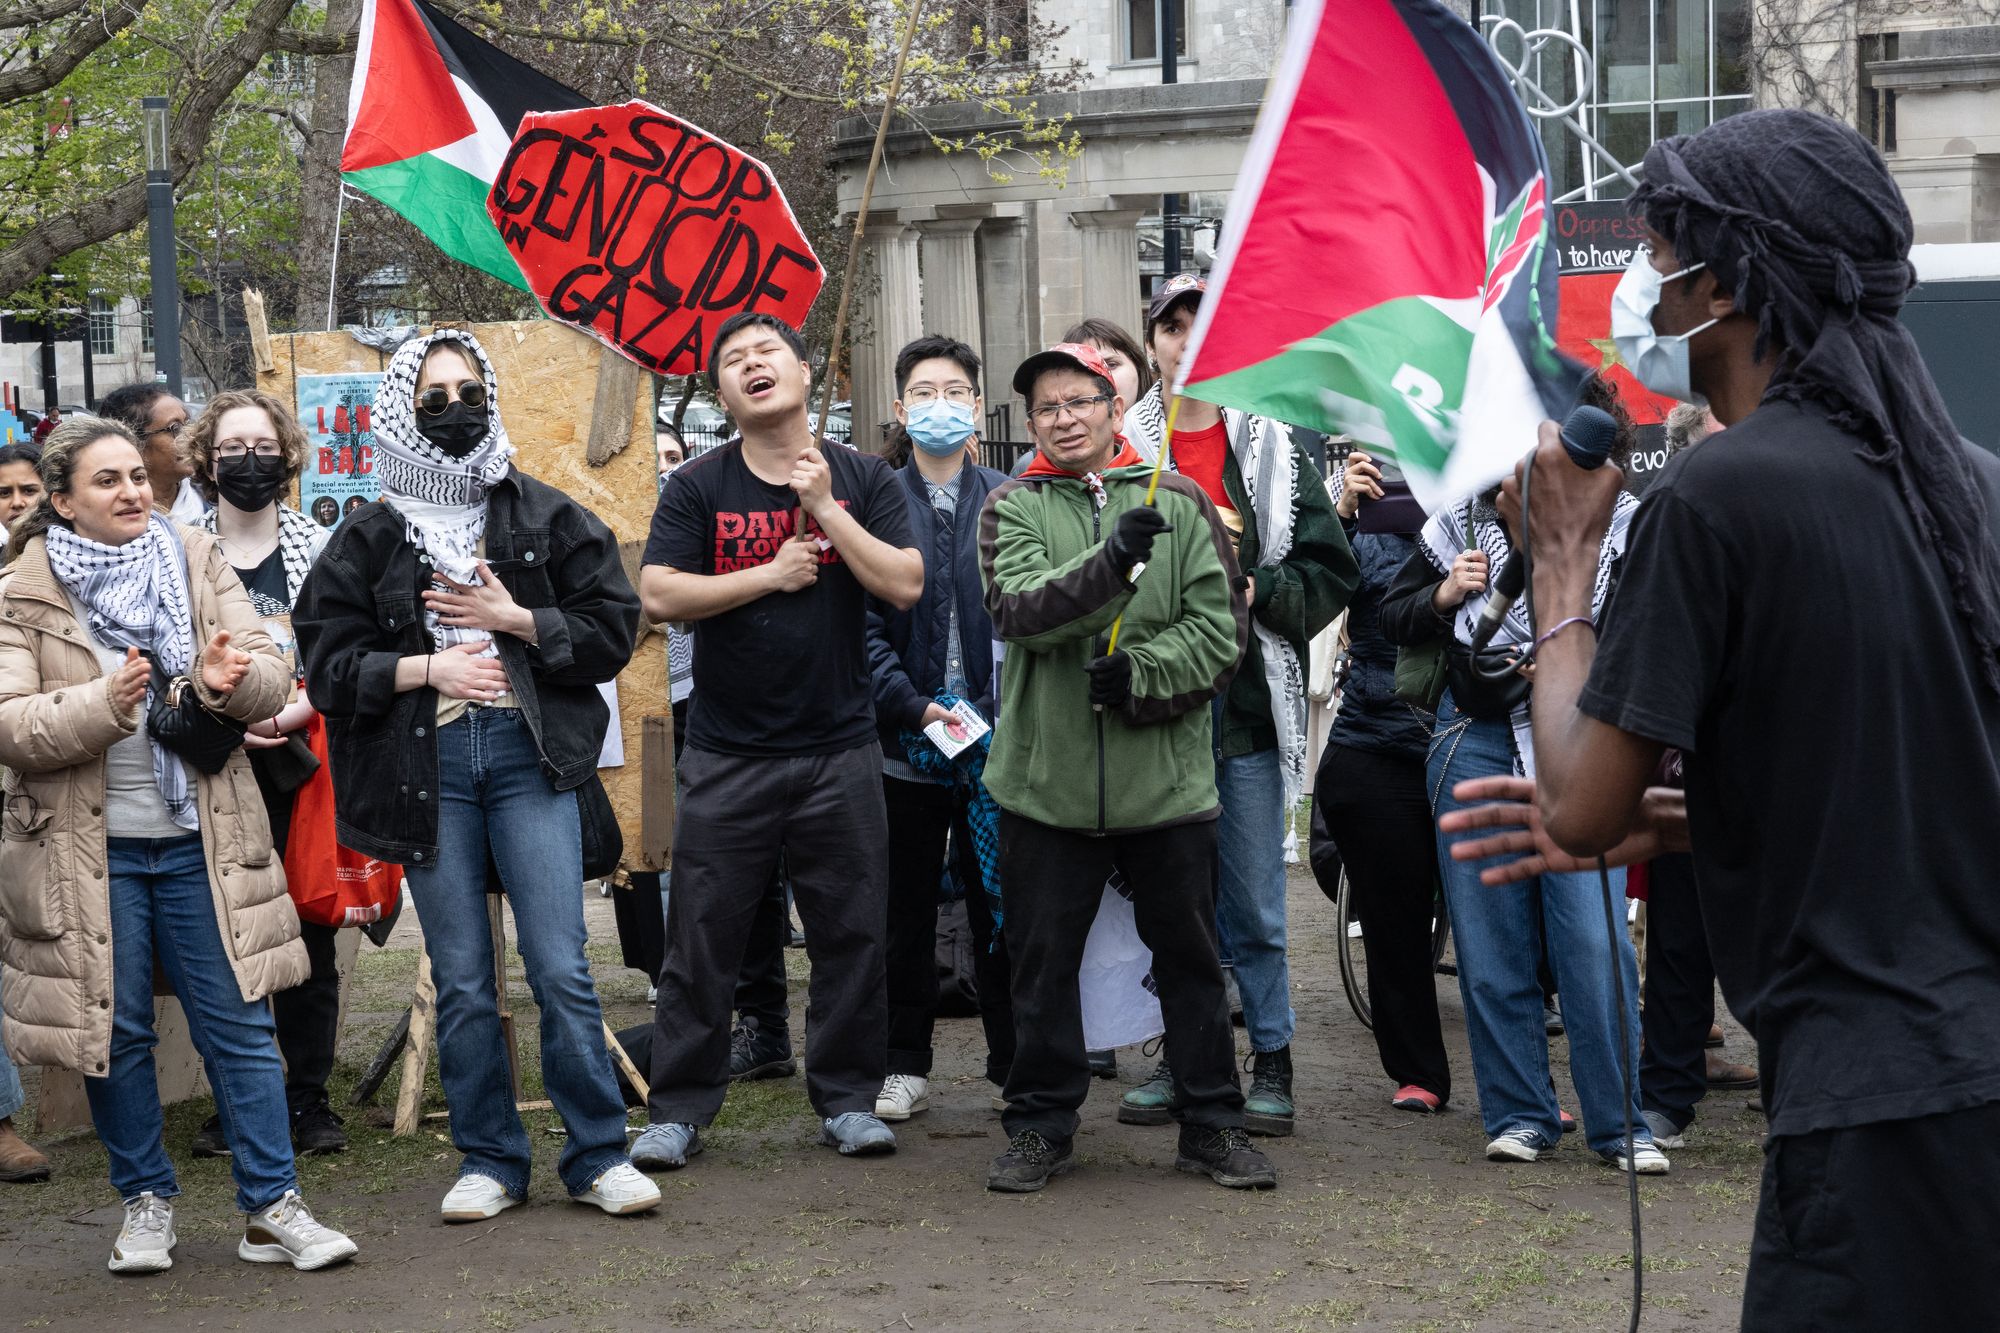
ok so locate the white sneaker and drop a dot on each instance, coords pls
(1664, 1133)
(146, 1242)
(285, 1233)
(622, 1190)
(475, 1198)
(902, 1096)
(1645, 1160)
(1519, 1144)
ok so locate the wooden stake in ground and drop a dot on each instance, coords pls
(861, 216)
(417, 1057)
(500, 1000)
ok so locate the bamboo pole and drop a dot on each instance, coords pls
(1152, 489)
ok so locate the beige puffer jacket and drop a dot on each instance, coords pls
(56, 725)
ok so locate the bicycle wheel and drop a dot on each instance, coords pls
(1353, 952)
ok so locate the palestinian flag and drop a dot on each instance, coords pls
(1386, 272)
(430, 118)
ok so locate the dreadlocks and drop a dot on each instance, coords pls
(1797, 216)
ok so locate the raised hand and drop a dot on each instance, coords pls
(223, 667)
(128, 683)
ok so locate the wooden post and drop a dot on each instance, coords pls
(632, 1076)
(417, 1056)
(493, 919)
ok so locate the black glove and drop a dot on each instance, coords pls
(1111, 676)
(1131, 540)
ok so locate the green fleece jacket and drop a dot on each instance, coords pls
(1053, 593)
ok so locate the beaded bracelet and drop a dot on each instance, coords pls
(1559, 627)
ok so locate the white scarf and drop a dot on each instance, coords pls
(1269, 468)
(441, 499)
(1471, 522)
(136, 596)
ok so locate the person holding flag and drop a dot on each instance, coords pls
(1290, 545)
(1122, 620)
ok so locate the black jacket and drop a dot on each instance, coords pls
(1371, 715)
(906, 649)
(360, 612)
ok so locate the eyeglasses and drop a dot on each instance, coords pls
(173, 430)
(437, 398)
(1080, 408)
(919, 394)
(238, 448)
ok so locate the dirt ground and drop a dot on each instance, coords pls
(1382, 1220)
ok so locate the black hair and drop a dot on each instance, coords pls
(1094, 330)
(931, 347)
(21, 453)
(735, 324)
(132, 403)
(1599, 392)
(1104, 386)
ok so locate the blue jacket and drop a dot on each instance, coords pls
(906, 649)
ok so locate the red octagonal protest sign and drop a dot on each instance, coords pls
(649, 232)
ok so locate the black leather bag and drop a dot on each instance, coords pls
(179, 721)
(1474, 694)
(603, 840)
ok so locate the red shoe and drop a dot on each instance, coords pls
(1410, 1097)
(1568, 1121)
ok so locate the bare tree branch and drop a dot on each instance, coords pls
(300, 42)
(28, 15)
(287, 114)
(120, 209)
(79, 42)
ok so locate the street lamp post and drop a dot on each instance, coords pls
(1170, 205)
(160, 233)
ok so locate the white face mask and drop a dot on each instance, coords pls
(1658, 360)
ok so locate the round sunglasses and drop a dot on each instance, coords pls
(434, 400)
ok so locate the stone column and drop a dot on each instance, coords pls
(951, 279)
(1006, 291)
(1111, 262)
(887, 315)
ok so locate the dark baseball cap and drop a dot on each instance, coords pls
(1180, 287)
(1062, 356)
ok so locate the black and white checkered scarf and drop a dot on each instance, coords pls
(441, 499)
(136, 596)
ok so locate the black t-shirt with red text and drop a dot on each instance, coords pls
(786, 674)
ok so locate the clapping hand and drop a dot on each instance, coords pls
(222, 667)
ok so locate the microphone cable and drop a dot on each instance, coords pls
(1617, 973)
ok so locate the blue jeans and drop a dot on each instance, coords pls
(161, 904)
(1250, 895)
(494, 803)
(1499, 933)
(12, 1099)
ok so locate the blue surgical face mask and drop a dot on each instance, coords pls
(1658, 360)
(940, 426)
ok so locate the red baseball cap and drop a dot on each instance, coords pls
(1180, 287)
(1062, 356)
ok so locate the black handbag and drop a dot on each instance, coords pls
(603, 840)
(179, 721)
(1480, 696)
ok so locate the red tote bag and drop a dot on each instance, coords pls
(330, 885)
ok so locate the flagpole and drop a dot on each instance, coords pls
(861, 214)
(1152, 489)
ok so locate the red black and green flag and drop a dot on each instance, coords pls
(1385, 272)
(430, 118)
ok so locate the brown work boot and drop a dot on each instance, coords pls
(1726, 1073)
(20, 1161)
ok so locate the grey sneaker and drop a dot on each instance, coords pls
(286, 1233)
(1644, 1159)
(665, 1147)
(1665, 1135)
(857, 1134)
(146, 1242)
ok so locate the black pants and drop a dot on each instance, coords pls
(1886, 1226)
(1054, 880)
(1375, 809)
(307, 1015)
(923, 816)
(1680, 994)
(823, 814)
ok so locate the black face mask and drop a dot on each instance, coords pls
(250, 483)
(457, 430)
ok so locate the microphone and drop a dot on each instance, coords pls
(1587, 437)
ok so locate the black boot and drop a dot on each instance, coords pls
(316, 1129)
(208, 1140)
(755, 1053)
(1226, 1157)
(1028, 1163)
(1267, 1109)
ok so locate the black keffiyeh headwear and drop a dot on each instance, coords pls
(1799, 219)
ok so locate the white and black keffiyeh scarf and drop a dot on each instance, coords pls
(136, 596)
(1269, 468)
(1475, 522)
(441, 499)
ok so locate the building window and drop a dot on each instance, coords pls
(1142, 29)
(146, 326)
(1876, 107)
(1663, 67)
(103, 327)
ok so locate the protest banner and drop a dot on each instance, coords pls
(648, 232)
(339, 475)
